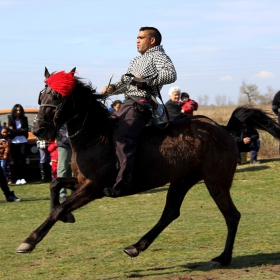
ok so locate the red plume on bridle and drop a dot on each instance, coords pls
(61, 82)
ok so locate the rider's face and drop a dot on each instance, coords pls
(144, 42)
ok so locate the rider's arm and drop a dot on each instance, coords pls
(166, 73)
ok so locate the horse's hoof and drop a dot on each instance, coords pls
(68, 218)
(131, 251)
(215, 264)
(25, 248)
(220, 261)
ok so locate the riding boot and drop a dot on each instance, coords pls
(122, 189)
(134, 118)
(42, 170)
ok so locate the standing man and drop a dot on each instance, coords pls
(64, 158)
(247, 139)
(136, 111)
(42, 145)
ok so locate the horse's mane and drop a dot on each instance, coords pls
(98, 120)
(98, 100)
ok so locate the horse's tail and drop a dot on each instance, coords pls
(253, 117)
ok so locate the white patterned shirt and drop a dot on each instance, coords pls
(153, 63)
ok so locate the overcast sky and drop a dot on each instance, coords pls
(214, 45)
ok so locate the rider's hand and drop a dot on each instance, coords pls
(107, 90)
(138, 84)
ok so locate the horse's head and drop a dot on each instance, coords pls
(65, 98)
(58, 87)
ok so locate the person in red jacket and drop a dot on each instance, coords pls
(52, 148)
(187, 105)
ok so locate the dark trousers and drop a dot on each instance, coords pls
(3, 183)
(254, 146)
(18, 152)
(133, 117)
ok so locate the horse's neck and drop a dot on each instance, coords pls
(88, 128)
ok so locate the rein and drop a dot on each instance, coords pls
(78, 132)
(152, 97)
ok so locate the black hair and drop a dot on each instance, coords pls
(14, 111)
(115, 103)
(184, 94)
(153, 32)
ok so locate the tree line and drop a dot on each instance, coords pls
(248, 94)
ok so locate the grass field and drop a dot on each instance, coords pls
(92, 247)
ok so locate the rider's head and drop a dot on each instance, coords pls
(148, 38)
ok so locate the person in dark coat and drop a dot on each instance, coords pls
(247, 139)
(18, 125)
(173, 106)
(10, 196)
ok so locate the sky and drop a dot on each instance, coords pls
(215, 45)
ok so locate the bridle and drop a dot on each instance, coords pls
(46, 105)
(58, 108)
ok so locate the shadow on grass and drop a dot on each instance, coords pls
(254, 167)
(160, 189)
(249, 168)
(241, 262)
(35, 199)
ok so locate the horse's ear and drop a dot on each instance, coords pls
(73, 71)
(47, 74)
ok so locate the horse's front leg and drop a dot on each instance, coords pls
(174, 199)
(55, 187)
(83, 195)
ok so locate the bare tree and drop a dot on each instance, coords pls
(200, 100)
(221, 100)
(230, 102)
(251, 93)
(224, 100)
(267, 97)
(218, 100)
(206, 99)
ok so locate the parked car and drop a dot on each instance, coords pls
(32, 153)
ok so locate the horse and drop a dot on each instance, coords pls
(188, 150)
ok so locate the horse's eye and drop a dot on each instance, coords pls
(48, 90)
(56, 96)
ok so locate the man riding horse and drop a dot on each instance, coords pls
(136, 111)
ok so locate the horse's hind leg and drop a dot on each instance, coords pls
(221, 195)
(55, 186)
(175, 196)
(83, 195)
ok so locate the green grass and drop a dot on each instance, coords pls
(92, 247)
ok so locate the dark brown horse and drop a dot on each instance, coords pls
(189, 150)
